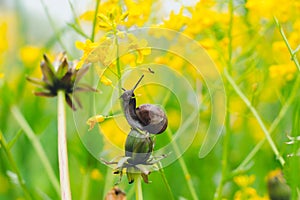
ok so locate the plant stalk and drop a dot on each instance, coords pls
(3, 145)
(227, 135)
(273, 126)
(118, 62)
(183, 166)
(95, 20)
(284, 108)
(291, 51)
(62, 148)
(52, 24)
(162, 173)
(256, 115)
(37, 146)
(138, 188)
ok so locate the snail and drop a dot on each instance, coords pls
(147, 117)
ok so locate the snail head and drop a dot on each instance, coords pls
(129, 94)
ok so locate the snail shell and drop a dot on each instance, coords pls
(152, 117)
(147, 117)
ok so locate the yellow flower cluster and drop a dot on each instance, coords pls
(105, 50)
(30, 55)
(3, 37)
(246, 191)
(266, 9)
(111, 14)
(3, 44)
(285, 71)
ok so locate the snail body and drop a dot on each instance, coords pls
(147, 117)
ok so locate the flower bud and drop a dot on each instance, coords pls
(92, 121)
(115, 194)
(138, 147)
(277, 186)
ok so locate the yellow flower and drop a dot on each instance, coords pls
(92, 121)
(244, 180)
(262, 8)
(88, 15)
(103, 8)
(96, 175)
(88, 47)
(283, 71)
(203, 18)
(103, 51)
(248, 193)
(30, 55)
(106, 81)
(266, 9)
(139, 12)
(3, 37)
(115, 133)
(129, 59)
(175, 21)
(140, 46)
(111, 14)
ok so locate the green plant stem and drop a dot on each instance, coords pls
(183, 166)
(292, 52)
(227, 136)
(85, 185)
(162, 173)
(118, 62)
(130, 193)
(256, 115)
(3, 145)
(74, 14)
(78, 30)
(95, 21)
(273, 126)
(52, 24)
(15, 139)
(294, 159)
(37, 146)
(138, 188)
(108, 182)
(180, 158)
(284, 109)
(62, 147)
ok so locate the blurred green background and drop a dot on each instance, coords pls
(240, 36)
